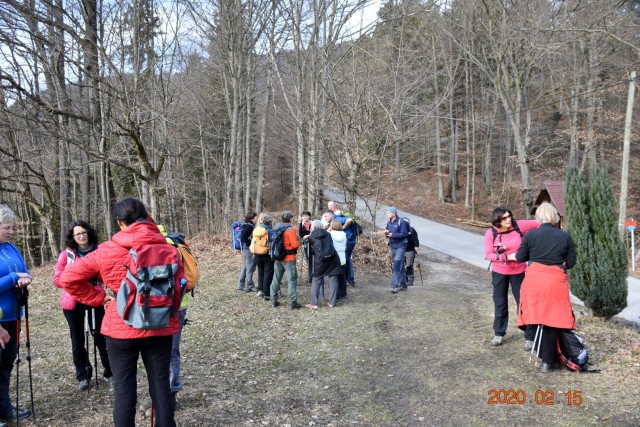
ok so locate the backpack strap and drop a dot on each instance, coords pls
(515, 228)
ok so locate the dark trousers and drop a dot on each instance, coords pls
(82, 360)
(265, 274)
(342, 283)
(501, 302)
(156, 356)
(309, 257)
(7, 357)
(350, 272)
(548, 349)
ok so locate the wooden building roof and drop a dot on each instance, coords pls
(552, 192)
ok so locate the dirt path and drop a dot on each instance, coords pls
(416, 358)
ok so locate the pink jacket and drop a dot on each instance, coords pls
(67, 302)
(509, 242)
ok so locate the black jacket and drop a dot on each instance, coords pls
(413, 241)
(547, 245)
(325, 267)
(245, 234)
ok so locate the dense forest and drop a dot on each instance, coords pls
(205, 109)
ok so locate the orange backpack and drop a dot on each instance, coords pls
(259, 241)
(189, 263)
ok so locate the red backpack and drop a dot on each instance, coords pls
(149, 295)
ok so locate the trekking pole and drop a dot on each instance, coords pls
(86, 343)
(420, 271)
(535, 339)
(95, 346)
(25, 292)
(18, 363)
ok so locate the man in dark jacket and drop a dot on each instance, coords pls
(410, 253)
(397, 232)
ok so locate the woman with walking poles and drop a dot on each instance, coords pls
(14, 279)
(82, 239)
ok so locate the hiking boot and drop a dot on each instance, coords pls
(497, 340)
(352, 284)
(528, 345)
(267, 297)
(294, 305)
(403, 288)
(15, 413)
(394, 290)
(546, 367)
(252, 289)
(240, 290)
(85, 384)
(274, 303)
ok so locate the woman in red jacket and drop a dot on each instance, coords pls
(125, 343)
(500, 241)
(81, 240)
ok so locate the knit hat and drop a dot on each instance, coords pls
(287, 215)
(393, 210)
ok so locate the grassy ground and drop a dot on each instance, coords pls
(416, 358)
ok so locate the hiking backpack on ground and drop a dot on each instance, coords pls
(259, 241)
(276, 244)
(236, 230)
(150, 292)
(571, 351)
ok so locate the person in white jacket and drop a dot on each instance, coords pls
(339, 239)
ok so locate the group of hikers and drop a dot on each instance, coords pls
(128, 292)
(327, 244)
(145, 312)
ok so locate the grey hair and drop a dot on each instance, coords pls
(6, 214)
(547, 214)
(316, 224)
(265, 219)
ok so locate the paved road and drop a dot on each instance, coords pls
(469, 247)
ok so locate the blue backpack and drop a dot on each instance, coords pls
(276, 244)
(236, 230)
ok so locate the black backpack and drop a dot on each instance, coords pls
(571, 351)
(276, 244)
(326, 251)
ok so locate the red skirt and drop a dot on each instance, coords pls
(544, 298)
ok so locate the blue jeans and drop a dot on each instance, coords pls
(398, 279)
(174, 372)
(248, 267)
(351, 273)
